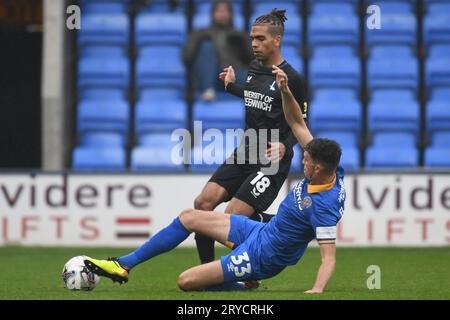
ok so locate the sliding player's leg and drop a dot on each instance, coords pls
(201, 277)
(215, 225)
(234, 270)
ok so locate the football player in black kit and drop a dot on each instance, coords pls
(248, 188)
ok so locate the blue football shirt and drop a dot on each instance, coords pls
(308, 212)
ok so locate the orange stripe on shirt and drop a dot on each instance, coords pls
(229, 244)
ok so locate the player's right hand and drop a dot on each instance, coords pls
(227, 75)
(281, 77)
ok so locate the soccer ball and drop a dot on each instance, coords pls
(76, 275)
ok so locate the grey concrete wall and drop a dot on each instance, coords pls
(55, 141)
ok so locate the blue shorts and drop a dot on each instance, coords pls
(244, 262)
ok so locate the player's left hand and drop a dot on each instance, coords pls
(276, 151)
(313, 291)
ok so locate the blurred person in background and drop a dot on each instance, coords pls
(209, 50)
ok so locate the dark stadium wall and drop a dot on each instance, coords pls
(20, 84)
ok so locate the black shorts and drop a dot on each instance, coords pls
(247, 183)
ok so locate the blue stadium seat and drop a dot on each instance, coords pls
(102, 51)
(104, 28)
(399, 25)
(97, 7)
(329, 63)
(292, 55)
(350, 158)
(280, 3)
(393, 111)
(393, 139)
(340, 94)
(333, 114)
(106, 116)
(333, 23)
(437, 157)
(158, 152)
(437, 68)
(102, 94)
(160, 66)
(436, 23)
(152, 116)
(392, 67)
(441, 139)
(221, 95)
(392, 157)
(102, 140)
(220, 114)
(160, 94)
(156, 159)
(353, 2)
(99, 159)
(161, 29)
(438, 115)
(155, 139)
(439, 50)
(104, 72)
(427, 3)
(164, 6)
(400, 6)
(440, 94)
(215, 148)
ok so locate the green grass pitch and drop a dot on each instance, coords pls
(406, 273)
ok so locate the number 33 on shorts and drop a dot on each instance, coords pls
(241, 264)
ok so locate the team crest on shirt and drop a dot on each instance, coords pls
(306, 202)
(272, 87)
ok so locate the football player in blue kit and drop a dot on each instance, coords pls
(310, 211)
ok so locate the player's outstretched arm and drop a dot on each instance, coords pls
(291, 109)
(328, 253)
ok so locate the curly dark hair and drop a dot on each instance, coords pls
(275, 20)
(326, 152)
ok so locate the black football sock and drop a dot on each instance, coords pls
(205, 248)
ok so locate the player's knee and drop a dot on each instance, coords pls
(186, 282)
(204, 203)
(187, 218)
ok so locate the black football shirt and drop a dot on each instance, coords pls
(263, 103)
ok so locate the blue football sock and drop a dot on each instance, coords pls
(165, 240)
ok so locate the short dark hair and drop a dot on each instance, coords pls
(325, 151)
(275, 19)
